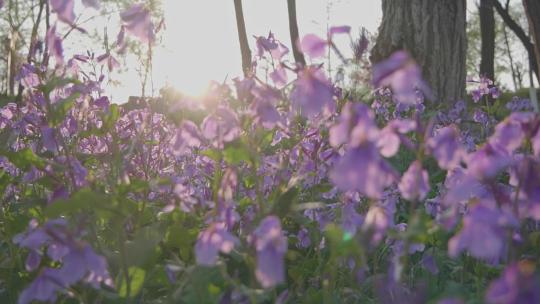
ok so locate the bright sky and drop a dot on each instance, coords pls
(201, 41)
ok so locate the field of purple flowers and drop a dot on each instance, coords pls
(271, 190)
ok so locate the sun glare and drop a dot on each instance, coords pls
(194, 51)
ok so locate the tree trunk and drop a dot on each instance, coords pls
(434, 33)
(532, 9)
(242, 37)
(293, 29)
(520, 33)
(487, 31)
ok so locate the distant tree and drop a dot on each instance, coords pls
(293, 29)
(504, 12)
(242, 37)
(532, 9)
(511, 56)
(434, 32)
(487, 30)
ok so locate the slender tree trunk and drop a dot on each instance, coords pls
(487, 31)
(532, 9)
(433, 32)
(12, 63)
(510, 59)
(242, 37)
(293, 29)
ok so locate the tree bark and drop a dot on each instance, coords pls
(293, 29)
(532, 9)
(487, 33)
(242, 37)
(521, 34)
(434, 33)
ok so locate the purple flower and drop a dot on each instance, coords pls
(187, 136)
(414, 184)
(109, 60)
(221, 126)
(137, 21)
(377, 221)
(446, 148)
(49, 141)
(303, 238)
(356, 125)
(276, 49)
(211, 241)
(481, 117)
(488, 161)
(45, 288)
(312, 93)
(517, 285)
(271, 246)
(28, 76)
(525, 175)
(390, 136)
(55, 45)
(508, 134)
(64, 10)
(483, 234)
(362, 169)
(402, 75)
(350, 219)
(313, 46)
(343, 29)
(536, 143)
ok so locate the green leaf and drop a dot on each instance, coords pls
(236, 152)
(285, 201)
(136, 276)
(25, 159)
(212, 153)
(61, 108)
(82, 199)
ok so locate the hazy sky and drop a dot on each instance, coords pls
(201, 41)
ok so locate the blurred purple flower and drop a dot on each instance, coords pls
(303, 238)
(313, 46)
(356, 125)
(221, 126)
(390, 136)
(45, 288)
(312, 93)
(271, 246)
(64, 10)
(446, 148)
(414, 184)
(517, 285)
(488, 161)
(55, 45)
(402, 75)
(362, 169)
(211, 241)
(48, 139)
(343, 29)
(187, 136)
(136, 20)
(483, 234)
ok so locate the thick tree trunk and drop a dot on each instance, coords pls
(293, 29)
(487, 31)
(433, 32)
(532, 9)
(242, 37)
